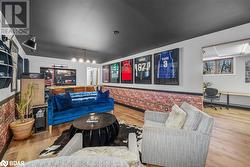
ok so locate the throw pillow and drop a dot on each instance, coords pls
(176, 118)
(194, 116)
(63, 102)
(119, 152)
(102, 97)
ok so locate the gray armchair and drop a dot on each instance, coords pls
(75, 144)
(175, 147)
(65, 157)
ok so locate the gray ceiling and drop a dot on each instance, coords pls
(64, 27)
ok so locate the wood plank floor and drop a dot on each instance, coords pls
(229, 146)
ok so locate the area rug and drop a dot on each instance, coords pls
(121, 140)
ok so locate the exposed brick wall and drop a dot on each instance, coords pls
(152, 100)
(7, 115)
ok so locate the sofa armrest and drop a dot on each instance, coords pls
(111, 100)
(184, 145)
(50, 111)
(72, 146)
(156, 116)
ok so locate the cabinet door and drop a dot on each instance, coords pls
(38, 91)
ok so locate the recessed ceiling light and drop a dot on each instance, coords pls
(73, 59)
(93, 61)
(80, 60)
(87, 61)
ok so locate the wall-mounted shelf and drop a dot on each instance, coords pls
(1, 64)
(6, 66)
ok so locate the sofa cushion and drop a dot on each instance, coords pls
(63, 102)
(83, 95)
(102, 96)
(119, 152)
(176, 118)
(193, 116)
(83, 102)
(71, 112)
(83, 98)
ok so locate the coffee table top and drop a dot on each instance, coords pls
(104, 119)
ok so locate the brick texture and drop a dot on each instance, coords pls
(7, 115)
(152, 100)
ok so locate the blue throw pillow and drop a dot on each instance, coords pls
(63, 102)
(102, 97)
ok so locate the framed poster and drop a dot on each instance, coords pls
(247, 71)
(65, 77)
(105, 74)
(58, 76)
(209, 67)
(166, 67)
(115, 73)
(49, 76)
(225, 66)
(127, 71)
(14, 55)
(143, 69)
(19, 67)
(218, 66)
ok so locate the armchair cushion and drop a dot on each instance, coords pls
(119, 152)
(156, 116)
(148, 123)
(76, 161)
(194, 116)
(176, 118)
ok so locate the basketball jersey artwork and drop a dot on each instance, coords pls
(143, 70)
(105, 74)
(115, 73)
(127, 71)
(166, 65)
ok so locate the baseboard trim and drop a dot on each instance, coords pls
(6, 146)
(230, 105)
(131, 107)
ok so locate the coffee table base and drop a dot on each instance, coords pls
(99, 137)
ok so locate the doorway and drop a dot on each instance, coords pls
(92, 76)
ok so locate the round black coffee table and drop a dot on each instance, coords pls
(101, 129)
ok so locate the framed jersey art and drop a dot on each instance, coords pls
(127, 71)
(143, 69)
(105, 74)
(166, 67)
(115, 73)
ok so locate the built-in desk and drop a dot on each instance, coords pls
(228, 94)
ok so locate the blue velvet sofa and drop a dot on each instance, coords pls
(82, 103)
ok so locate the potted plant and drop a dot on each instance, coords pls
(22, 127)
(206, 85)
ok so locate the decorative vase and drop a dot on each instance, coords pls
(22, 130)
